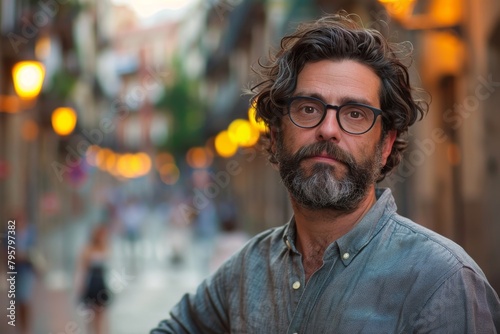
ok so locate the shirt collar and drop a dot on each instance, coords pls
(289, 235)
(350, 244)
(356, 239)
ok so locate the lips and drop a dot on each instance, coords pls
(322, 156)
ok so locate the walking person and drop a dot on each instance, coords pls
(92, 287)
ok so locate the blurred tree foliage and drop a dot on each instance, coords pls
(181, 101)
(63, 83)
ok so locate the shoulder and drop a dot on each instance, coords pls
(258, 250)
(265, 244)
(444, 286)
(426, 247)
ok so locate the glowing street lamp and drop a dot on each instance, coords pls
(28, 78)
(440, 14)
(400, 9)
(64, 120)
(224, 146)
(242, 133)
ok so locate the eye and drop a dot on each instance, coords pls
(355, 113)
(308, 109)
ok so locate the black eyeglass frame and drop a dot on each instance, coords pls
(376, 112)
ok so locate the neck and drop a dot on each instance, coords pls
(317, 229)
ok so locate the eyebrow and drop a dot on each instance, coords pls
(343, 100)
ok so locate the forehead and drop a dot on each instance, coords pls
(339, 81)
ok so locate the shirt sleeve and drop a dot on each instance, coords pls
(464, 303)
(201, 312)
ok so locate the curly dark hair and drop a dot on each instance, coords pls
(340, 37)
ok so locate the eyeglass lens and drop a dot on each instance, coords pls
(308, 113)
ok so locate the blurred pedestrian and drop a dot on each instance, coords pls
(25, 266)
(179, 231)
(91, 279)
(338, 102)
(206, 222)
(132, 217)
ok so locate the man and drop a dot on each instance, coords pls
(338, 103)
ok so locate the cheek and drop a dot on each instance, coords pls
(363, 151)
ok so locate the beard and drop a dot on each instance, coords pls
(321, 189)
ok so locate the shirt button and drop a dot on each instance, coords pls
(296, 285)
(345, 256)
(288, 244)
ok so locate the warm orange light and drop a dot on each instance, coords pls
(110, 162)
(439, 13)
(401, 9)
(199, 157)
(102, 157)
(446, 12)
(28, 78)
(224, 146)
(169, 173)
(133, 165)
(123, 166)
(42, 47)
(144, 165)
(10, 103)
(448, 50)
(64, 120)
(163, 158)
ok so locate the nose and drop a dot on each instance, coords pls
(329, 128)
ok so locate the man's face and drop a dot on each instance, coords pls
(325, 167)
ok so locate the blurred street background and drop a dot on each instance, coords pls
(131, 114)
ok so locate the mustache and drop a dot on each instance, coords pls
(332, 150)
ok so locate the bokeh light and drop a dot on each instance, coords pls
(28, 78)
(64, 120)
(224, 146)
(169, 173)
(259, 125)
(199, 157)
(242, 133)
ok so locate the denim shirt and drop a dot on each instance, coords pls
(386, 275)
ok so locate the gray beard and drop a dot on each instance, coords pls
(321, 190)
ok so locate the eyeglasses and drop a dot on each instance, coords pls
(353, 118)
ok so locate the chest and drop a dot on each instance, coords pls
(335, 298)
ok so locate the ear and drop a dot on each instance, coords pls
(389, 139)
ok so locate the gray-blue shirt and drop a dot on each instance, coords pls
(387, 275)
